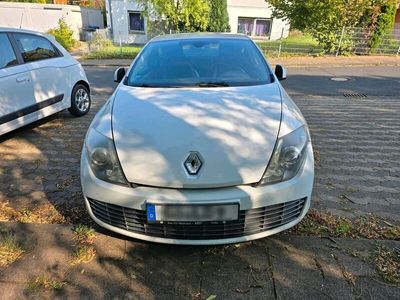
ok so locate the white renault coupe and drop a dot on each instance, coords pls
(199, 144)
(38, 77)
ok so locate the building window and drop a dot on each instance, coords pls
(263, 27)
(254, 27)
(245, 26)
(136, 22)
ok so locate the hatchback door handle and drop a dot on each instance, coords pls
(22, 79)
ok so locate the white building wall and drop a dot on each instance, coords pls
(42, 17)
(120, 22)
(256, 9)
(92, 17)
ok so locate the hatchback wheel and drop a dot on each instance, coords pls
(80, 100)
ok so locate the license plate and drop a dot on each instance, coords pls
(180, 213)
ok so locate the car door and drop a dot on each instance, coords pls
(16, 89)
(44, 63)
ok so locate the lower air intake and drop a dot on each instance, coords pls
(250, 221)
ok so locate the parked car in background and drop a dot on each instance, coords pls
(199, 144)
(38, 77)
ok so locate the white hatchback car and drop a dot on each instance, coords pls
(199, 144)
(38, 77)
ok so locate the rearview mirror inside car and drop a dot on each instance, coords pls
(119, 74)
(280, 72)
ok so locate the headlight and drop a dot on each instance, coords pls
(102, 158)
(288, 156)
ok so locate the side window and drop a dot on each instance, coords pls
(34, 48)
(7, 55)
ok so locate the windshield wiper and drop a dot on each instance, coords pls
(212, 84)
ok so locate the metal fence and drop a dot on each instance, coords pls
(348, 41)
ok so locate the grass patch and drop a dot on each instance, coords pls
(42, 282)
(294, 45)
(84, 252)
(325, 224)
(83, 235)
(387, 262)
(128, 52)
(46, 213)
(10, 251)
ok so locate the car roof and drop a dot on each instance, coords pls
(18, 30)
(44, 35)
(199, 35)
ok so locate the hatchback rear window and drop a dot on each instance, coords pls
(204, 62)
(35, 48)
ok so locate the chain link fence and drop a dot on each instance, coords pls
(349, 41)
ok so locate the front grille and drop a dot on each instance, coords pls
(250, 221)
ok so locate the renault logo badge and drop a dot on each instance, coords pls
(193, 163)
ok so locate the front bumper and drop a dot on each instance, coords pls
(263, 210)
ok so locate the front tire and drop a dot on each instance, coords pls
(80, 100)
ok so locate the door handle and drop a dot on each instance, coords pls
(22, 79)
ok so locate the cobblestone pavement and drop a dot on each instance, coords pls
(39, 168)
(279, 267)
(356, 143)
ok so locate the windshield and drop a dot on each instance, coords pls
(204, 62)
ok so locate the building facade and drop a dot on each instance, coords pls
(125, 22)
(251, 17)
(42, 17)
(254, 18)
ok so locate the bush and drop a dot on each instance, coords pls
(384, 24)
(63, 34)
(98, 42)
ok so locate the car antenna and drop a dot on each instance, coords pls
(20, 23)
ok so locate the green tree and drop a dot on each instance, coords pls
(324, 20)
(178, 15)
(378, 20)
(219, 18)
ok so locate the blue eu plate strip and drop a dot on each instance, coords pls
(151, 212)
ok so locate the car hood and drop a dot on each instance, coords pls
(232, 129)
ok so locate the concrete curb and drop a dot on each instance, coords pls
(294, 62)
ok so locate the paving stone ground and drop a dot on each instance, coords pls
(356, 143)
(280, 267)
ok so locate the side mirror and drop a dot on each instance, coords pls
(280, 72)
(119, 74)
